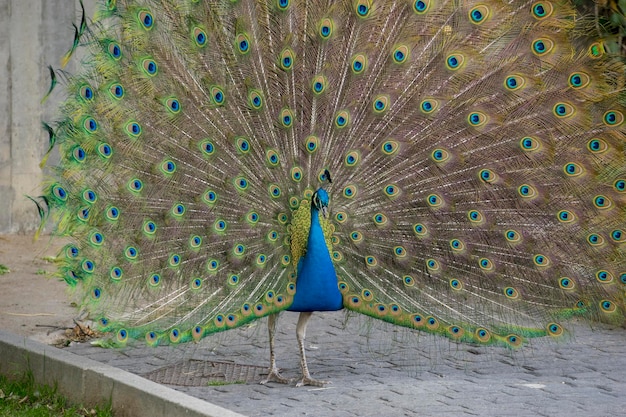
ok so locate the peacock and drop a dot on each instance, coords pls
(455, 167)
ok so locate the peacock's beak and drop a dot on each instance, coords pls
(325, 211)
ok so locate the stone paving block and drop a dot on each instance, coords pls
(372, 375)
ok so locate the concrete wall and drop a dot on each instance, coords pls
(33, 35)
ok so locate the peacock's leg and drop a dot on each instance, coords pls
(300, 333)
(274, 372)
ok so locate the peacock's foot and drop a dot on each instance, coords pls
(274, 376)
(307, 380)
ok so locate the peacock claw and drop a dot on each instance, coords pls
(313, 382)
(274, 376)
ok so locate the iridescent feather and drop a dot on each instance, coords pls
(476, 152)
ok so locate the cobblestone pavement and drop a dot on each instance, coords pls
(373, 375)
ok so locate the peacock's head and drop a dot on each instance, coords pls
(320, 201)
(320, 198)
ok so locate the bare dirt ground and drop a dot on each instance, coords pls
(33, 303)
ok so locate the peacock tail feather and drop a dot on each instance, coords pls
(477, 153)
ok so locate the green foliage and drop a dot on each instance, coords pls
(220, 383)
(23, 397)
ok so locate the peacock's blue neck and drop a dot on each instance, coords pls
(316, 285)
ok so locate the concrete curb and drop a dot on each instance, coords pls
(83, 380)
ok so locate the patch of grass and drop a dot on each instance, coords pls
(220, 383)
(24, 398)
(4, 269)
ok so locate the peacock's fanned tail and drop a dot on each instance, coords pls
(476, 151)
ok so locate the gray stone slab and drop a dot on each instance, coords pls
(416, 375)
(83, 380)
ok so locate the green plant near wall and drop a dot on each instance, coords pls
(23, 397)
